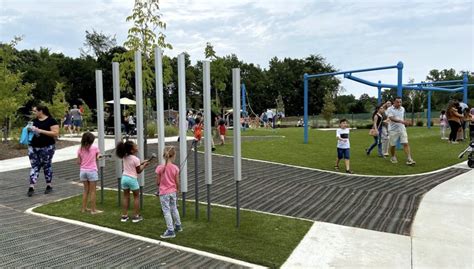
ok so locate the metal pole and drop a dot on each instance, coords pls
(305, 117)
(400, 79)
(196, 183)
(399, 89)
(160, 117)
(379, 99)
(206, 81)
(182, 128)
(464, 87)
(139, 123)
(100, 127)
(429, 110)
(237, 145)
(243, 105)
(117, 123)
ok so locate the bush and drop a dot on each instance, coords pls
(151, 129)
(419, 123)
(171, 130)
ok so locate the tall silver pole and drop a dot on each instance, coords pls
(139, 108)
(182, 129)
(237, 146)
(160, 117)
(100, 127)
(206, 87)
(117, 122)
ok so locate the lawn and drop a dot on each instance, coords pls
(261, 239)
(428, 150)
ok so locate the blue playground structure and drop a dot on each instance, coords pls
(453, 86)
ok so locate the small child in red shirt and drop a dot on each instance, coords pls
(221, 129)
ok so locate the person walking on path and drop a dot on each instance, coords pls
(167, 178)
(221, 130)
(343, 146)
(454, 120)
(87, 156)
(76, 116)
(67, 122)
(42, 147)
(385, 138)
(129, 181)
(377, 119)
(397, 131)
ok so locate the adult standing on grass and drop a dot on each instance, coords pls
(397, 130)
(76, 119)
(454, 120)
(42, 147)
(377, 120)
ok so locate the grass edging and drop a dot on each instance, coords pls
(262, 239)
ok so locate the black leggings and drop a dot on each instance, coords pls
(454, 130)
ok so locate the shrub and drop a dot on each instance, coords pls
(419, 123)
(171, 130)
(151, 129)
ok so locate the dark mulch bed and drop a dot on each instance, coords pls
(13, 149)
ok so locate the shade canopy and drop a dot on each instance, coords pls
(124, 101)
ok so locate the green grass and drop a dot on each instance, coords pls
(262, 239)
(429, 151)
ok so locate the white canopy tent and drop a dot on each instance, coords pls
(124, 101)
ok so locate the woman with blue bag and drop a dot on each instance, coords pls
(42, 146)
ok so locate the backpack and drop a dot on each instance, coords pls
(265, 118)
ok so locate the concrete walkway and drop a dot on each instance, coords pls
(442, 236)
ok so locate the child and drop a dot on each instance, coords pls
(131, 168)
(167, 178)
(221, 129)
(87, 156)
(443, 123)
(343, 145)
(197, 129)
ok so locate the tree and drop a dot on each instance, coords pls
(219, 71)
(209, 51)
(328, 108)
(58, 106)
(14, 93)
(146, 18)
(97, 44)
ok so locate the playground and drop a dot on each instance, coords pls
(174, 156)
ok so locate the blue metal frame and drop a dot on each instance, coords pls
(423, 86)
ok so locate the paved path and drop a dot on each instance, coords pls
(380, 205)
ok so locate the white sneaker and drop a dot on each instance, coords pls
(410, 162)
(394, 160)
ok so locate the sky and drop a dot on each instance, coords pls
(424, 35)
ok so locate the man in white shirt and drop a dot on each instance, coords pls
(397, 130)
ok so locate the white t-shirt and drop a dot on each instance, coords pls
(344, 134)
(269, 114)
(398, 114)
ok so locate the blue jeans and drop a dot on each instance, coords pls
(377, 142)
(170, 210)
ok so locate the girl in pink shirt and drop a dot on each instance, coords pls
(87, 156)
(129, 181)
(167, 178)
